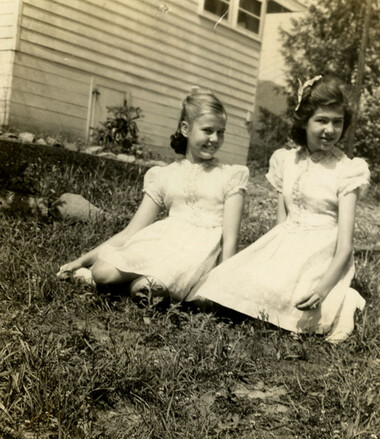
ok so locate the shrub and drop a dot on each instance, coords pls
(119, 133)
(273, 133)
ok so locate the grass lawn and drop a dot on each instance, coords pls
(80, 363)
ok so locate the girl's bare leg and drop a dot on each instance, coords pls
(106, 274)
(148, 286)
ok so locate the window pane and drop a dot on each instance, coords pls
(253, 6)
(274, 7)
(217, 7)
(249, 22)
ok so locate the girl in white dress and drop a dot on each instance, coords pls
(298, 275)
(204, 199)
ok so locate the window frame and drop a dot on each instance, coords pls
(232, 20)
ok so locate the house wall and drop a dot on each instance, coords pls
(9, 10)
(272, 63)
(146, 51)
(271, 84)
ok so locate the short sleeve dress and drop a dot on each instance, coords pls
(267, 278)
(183, 247)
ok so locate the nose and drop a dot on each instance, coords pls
(329, 127)
(213, 137)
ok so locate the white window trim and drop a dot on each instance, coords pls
(231, 21)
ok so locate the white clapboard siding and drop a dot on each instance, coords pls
(137, 55)
(146, 68)
(149, 51)
(134, 29)
(9, 10)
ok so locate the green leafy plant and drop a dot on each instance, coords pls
(119, 133)
(273, 131)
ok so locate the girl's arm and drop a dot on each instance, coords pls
(144, 216)
(346, 223)
(281, 209)
(233, 211)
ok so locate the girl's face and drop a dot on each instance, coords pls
(324, 128)
(204, 137)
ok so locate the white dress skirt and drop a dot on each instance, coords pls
(267, 279)
(183, 247)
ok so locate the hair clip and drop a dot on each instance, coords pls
(194, 90)
(302, 87)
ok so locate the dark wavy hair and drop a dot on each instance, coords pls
(195, 105)
(329, 91)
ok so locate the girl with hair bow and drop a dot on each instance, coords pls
(298, 275)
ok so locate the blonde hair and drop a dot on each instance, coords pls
(197, 103)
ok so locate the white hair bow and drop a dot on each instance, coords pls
(302, 87)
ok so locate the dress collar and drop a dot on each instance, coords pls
(203, 163)
(319, 156)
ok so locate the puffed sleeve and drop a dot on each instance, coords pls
(153, 184)
(275, 172)
(355, 175)
(236, 180)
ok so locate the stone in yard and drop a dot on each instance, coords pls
(26, 137)
(107, 155)
(93, 149)
(9, 136)
(71, 146)
(126, 158)
(258, 392)
(75, 207)
(52, 141)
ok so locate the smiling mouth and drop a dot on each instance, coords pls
(209, 148)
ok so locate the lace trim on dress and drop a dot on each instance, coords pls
(191, 199)
(297, 197)
(304, 156)
(332, 154)
(203, 163)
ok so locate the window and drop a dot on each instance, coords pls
(249, 15)
(273, 7)
(217, 7)
(243, 14)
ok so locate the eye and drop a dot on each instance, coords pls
(338, 121)
(208, 130)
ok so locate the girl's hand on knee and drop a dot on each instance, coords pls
(68, 269)
(311, 302)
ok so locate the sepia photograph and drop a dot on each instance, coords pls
(189, 219)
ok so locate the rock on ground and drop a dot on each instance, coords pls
(75, 207)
